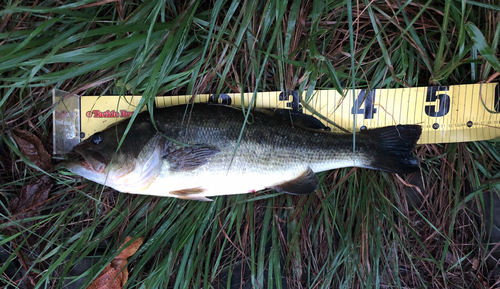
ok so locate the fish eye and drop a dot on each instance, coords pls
(97, 138)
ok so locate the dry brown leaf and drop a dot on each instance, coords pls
(32, 148)
(31, 196)
(113, 277)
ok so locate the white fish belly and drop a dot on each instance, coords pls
(218, 183)
(212, 180)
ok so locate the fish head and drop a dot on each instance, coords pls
(127, 167)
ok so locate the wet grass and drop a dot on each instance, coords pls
(361, 229)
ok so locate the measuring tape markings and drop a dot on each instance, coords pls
(446, 113)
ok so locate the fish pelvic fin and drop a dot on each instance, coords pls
(195, 198)
(304, 184)
(190, 194)
(393, 148)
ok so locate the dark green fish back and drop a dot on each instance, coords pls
(278, 138)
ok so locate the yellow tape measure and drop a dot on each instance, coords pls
(456, 113)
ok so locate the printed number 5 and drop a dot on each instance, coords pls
(435, 93)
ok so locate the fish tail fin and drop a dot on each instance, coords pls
(394, 146)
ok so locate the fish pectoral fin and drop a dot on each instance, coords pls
(190, 194)
(189, 158)
(304, 184)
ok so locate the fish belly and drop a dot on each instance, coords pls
(241, 178)
(204, 182)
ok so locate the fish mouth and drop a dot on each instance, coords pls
(92, 160)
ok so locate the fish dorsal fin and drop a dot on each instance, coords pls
(304, 184)
(302, 120)
(189, 158)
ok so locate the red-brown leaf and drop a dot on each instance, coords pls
(32, 148)
(115, 275)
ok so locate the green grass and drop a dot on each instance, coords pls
(359, 230)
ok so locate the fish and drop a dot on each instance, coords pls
(205, 150)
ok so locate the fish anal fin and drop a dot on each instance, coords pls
(304, 184)
(190, 194)
(189, 158)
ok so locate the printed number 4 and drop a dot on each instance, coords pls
(435, 93)
(369, 101)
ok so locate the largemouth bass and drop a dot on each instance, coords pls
(196, 152)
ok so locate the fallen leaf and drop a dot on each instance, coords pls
(31, 197)
(32, 148)
(131, 249)
(115, 275)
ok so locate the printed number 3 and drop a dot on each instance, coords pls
(435, 93)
